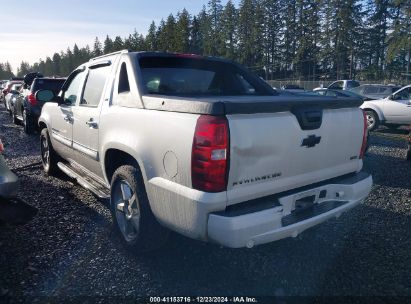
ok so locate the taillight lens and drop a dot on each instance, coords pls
(1, 147)
(364, 136)
(210, 154)
(32, 99)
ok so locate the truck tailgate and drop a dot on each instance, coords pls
(271, 153)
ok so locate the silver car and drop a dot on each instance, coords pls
(13, 91)
(392, 111)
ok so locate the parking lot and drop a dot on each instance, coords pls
(68, 248)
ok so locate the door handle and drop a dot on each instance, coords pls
(67, 118)
(92, 124)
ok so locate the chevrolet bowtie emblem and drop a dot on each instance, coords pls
(311, 141)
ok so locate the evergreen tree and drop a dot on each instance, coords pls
(97, 48)
(118, 44)
(182, 32)
(228, 33)
(307, 33)
(195, 37)
(399, 40)
(272, 37)
(247, 34)
(108, 45)
(204, 33)
(48, 67)
(23, 69)
(162, 40)
(305, 39)
(56, 64)
(215, 10)
(151, 38)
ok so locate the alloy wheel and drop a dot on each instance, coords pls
(45, 151)
(127, 211)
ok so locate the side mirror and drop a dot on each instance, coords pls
(48, 95)
(390, 97)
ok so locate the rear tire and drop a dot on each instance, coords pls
(49, 157)
(16, 121)
(132, 216)
(27, 123)
(372, 120)
(409, 152)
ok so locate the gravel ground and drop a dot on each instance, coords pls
(69, 249)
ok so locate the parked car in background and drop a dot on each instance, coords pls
(2, 86)
(7, 87)
(203, 147)
(14, 90)
(8, 180)
(341, 85)
(26, 108)
(392, 111)
(339, 93)
(375, 91)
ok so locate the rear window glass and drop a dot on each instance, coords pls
(47, 84)
(197, 77)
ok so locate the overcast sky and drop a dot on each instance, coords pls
(33, 30)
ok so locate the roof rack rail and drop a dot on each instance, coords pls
(114, 53)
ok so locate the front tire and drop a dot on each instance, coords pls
(131, 212)
(49, 157)
(372, 120)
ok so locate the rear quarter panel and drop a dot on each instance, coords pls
(161, 143)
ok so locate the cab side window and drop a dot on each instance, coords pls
(73, 90)
(95, 82)
(337, 85)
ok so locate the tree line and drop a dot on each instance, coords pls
(277, 39)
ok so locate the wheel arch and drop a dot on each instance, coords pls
(117, 156)
(377, 110)
(42, 125)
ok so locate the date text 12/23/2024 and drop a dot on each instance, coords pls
(199, 299)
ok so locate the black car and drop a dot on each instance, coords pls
(26, 108)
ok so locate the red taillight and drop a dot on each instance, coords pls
(1, 147)
(210, 154)
(364, 136)
(32, 99)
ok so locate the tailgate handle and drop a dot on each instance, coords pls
(309, 119)
(313, 116)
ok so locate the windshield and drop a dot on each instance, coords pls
(197, 77)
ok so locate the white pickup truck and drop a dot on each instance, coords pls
(201, 146)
